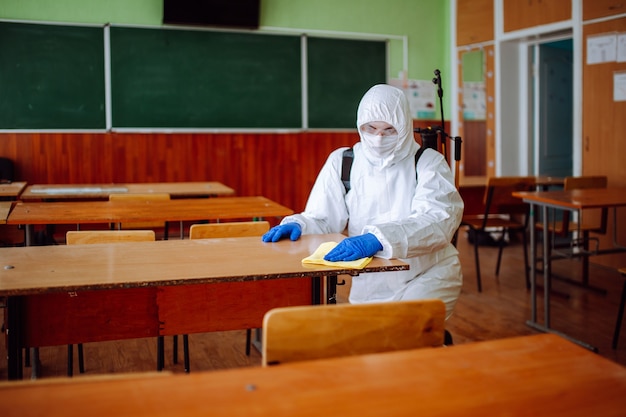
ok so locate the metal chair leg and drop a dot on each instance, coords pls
(70, 360)
(186, 352)
(620, 314)
(160, 353)
(477, 261)
(81, 359)
(175, 348)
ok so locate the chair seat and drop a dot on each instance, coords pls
(560, 229)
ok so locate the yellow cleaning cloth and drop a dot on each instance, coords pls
(318, 258)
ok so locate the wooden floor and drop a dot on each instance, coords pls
(499, 311)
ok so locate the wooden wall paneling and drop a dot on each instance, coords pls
(474, 21)
(473, 132)
(520, 14)
(490, 93)
(279, 166)
(475, 139)
(603, 127)
(593, 9)
(459, 110)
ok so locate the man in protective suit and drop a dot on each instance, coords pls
(394, 209)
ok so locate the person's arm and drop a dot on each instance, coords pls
(326, 210)
(436, 212)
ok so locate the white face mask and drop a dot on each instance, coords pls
(381, 146)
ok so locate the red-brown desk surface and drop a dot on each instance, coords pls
(74, 212)
(539, 376)
(12, 190)
(102, 191)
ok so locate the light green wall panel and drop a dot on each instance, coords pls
(425, 23)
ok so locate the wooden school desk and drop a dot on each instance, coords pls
(84, 212)
(102, 191)
(11, 190)
(472, 190)
(574, 200)
(5, 209)
(540, 376)
(159, 288)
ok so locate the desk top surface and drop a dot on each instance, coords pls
(5, 208)
(577, 199)
(39, 269)
(540, 180)
(12, 189)
(539, 375)
(72, 212)
(87, 191)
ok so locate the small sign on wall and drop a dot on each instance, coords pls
(601, 48)
(619, 86)
(421, 95)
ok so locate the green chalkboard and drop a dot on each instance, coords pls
(51, 77)
(165, 78)
(340, 71)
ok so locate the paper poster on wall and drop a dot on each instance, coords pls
(421, 95)
(621, 47)
(619, 86)
(601, 48)
(474, 102)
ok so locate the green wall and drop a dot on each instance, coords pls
(424, 22)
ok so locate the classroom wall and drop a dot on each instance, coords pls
(280, 166)
(425, 23)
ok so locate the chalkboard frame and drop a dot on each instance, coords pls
(41, 89)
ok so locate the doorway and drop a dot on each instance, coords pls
(553, 108)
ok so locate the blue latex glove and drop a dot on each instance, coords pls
(353, 248)
(276, 233)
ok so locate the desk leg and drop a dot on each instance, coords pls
(546, 280)
(533, 265)
(316, 290)
(14, 336)
(331, 289)
(29, 235)
(547, 266)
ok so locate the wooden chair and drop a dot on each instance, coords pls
(503, 214)
(99, 236)
(590, 221)
(143, 225)
(230, 229)
(332, 330)
(620, 311)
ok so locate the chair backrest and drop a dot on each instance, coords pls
(331, 330)
(589, 181)
(498, 198)
(6, 170)
(594, 220)
(82, 237)
(141, 197)
(228, 229)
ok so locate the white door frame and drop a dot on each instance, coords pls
(515, 136)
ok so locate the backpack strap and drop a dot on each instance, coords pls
(348, 158)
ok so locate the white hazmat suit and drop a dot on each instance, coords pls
(413, 216)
